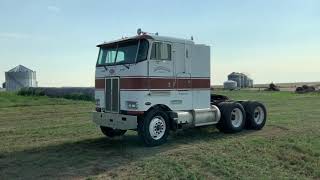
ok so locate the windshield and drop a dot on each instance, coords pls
(123, 52)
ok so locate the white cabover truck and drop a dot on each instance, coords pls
(155, 84)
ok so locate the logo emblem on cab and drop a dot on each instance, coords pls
(111, 71)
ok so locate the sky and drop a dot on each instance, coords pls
(271, 41)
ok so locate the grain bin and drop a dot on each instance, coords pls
(250, 83)
(230, 85)
(243, 81)
(20, 77)
(237, 77)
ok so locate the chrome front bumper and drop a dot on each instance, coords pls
(115, 121)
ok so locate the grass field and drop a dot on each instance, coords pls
(51, 138)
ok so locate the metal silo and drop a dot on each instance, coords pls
(243, 81)
(236, 77)
(249, 83)
(20, 77)
(230, 85)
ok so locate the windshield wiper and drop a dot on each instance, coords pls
(105, 67)
(127, 66)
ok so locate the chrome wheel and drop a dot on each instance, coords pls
(236, 117)
(258, 115)
(157, 127)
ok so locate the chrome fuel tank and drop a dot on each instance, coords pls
(198, 117)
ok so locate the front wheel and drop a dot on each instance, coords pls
(112, 132)
(154, 127)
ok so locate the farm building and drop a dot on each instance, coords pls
(230, 85)
(243, 81)
(20, 77)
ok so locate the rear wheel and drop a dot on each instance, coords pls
(232, 117)
(256, 115)
(154, 127)
(112, 132)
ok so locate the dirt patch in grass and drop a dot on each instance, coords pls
(271, 131)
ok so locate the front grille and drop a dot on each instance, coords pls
(112, 94)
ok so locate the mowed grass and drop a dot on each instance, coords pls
(51, 138)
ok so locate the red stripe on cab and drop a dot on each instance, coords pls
(158, 83)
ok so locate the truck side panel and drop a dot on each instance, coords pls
(200, 69)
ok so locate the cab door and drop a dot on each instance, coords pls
(182, 73)
(161, 67)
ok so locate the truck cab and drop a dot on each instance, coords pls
(154, 84)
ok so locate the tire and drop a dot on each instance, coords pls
(233, 117)
(112, 132)
(154, 127)
(256, 115)
(244, 104)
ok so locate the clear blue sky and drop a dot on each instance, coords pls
(273, 40)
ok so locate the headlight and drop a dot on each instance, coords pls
(132, 105)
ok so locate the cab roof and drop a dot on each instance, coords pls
(148, 36)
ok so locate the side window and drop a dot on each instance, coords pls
(161, 51)
(165, 51)
(154, 51)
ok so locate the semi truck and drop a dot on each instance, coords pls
(156, 84)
